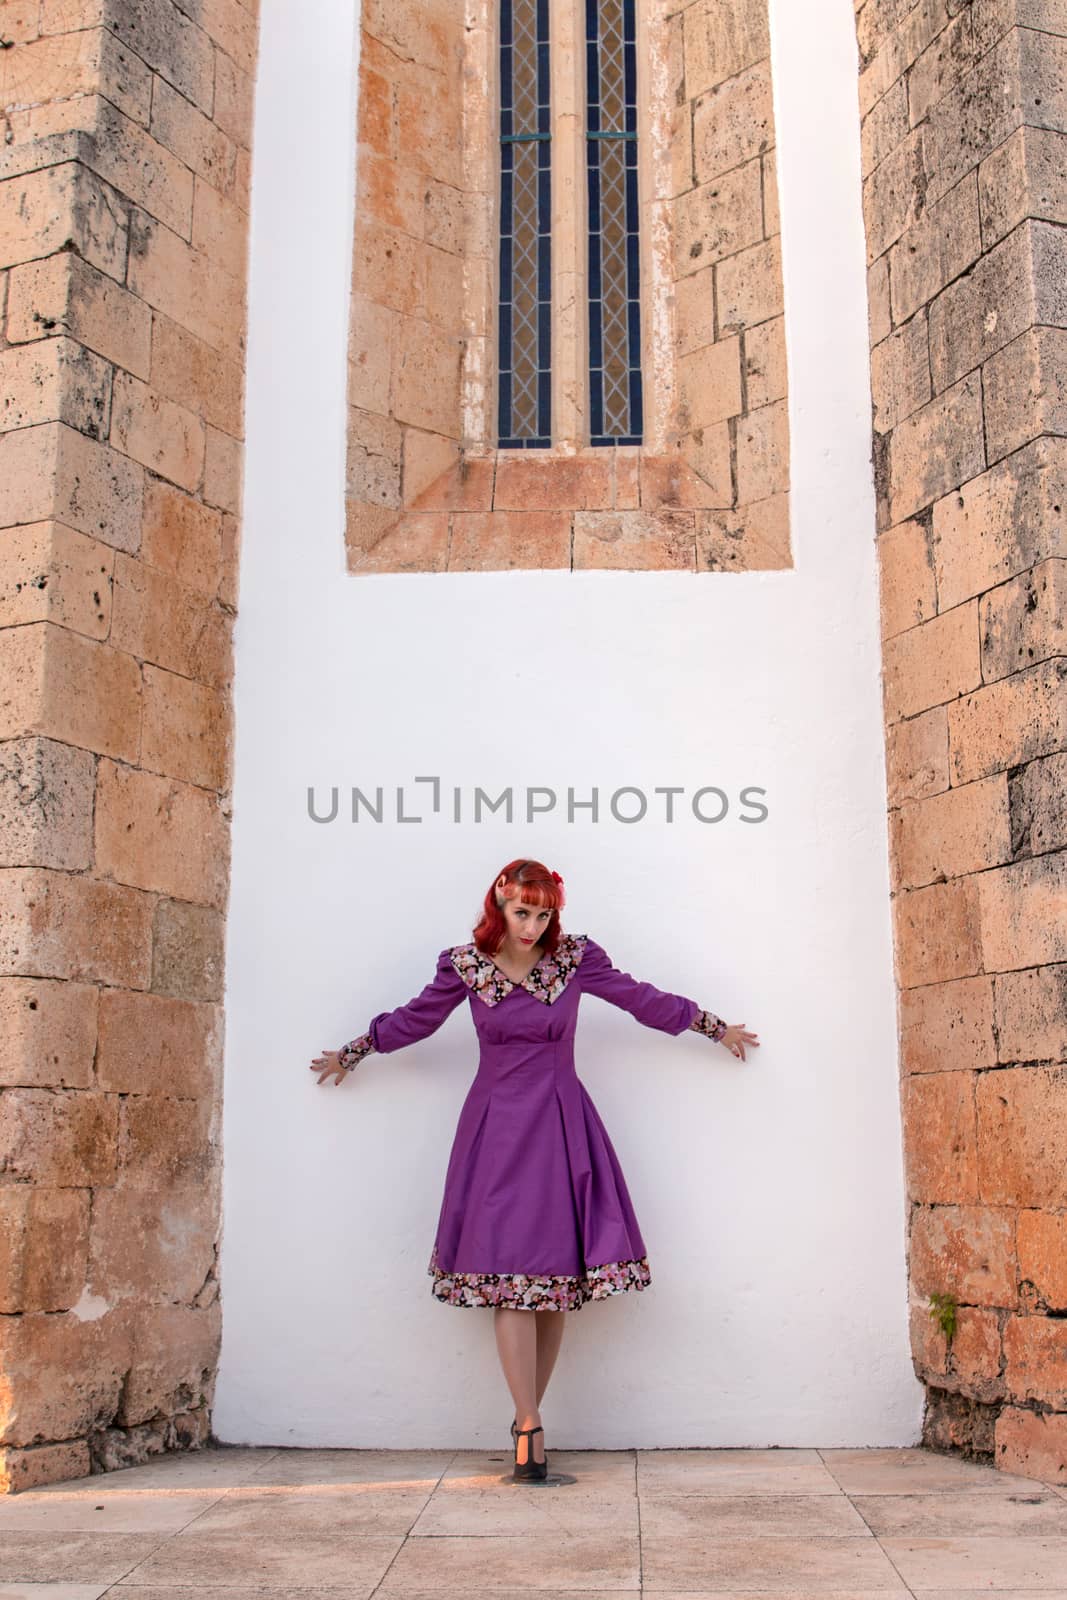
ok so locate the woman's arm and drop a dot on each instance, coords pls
(392, 1030)
(655, 1008)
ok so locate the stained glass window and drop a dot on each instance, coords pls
(525, 310)
(615, 398)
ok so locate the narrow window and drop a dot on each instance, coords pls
(525, 312)
(615, 400)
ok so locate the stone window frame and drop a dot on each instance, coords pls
(427, 489)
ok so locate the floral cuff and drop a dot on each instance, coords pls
(708, 1023)
(352, 1053)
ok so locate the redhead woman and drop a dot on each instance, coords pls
(536, 1215)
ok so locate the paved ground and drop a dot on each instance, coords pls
(263, 1524)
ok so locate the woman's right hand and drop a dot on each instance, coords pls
(328, 1066)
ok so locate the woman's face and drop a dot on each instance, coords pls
(525, 924)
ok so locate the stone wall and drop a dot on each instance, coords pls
(964, 131)
(124, 182)
(426, 488)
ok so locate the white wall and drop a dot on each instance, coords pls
(770, 1192)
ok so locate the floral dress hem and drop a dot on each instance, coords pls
(538, 1292)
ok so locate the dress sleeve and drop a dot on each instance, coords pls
(655, 1008)
(392, 1030)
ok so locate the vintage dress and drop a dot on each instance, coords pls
(536, 1213)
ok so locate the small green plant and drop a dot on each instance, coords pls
(943, 1311)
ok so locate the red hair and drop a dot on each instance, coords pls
(534, 885)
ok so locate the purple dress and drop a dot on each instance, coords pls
(536, 1213)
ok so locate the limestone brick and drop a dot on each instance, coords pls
(948, 1027)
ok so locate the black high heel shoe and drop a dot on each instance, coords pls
(528, 1470)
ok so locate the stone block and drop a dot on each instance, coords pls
(748, 286)
(917, 756)
(55, 380)
(1031, 1014)
(47, 1032)
(764, 363)
(732, 122)
(940, 1138)
(64, 294)
(709, 385)
(199, 379)
(497, 541)
(1025, 388)
(188, 951)
(41, 210)
(159, 1044)
(750, 538)
(907, 590)
(634, 541)
(722, 38)
(1042, 1246)
(182, 538)
(941, 244)
(1035, 1360)
(965, 829)
(44, 1241)
(160, 621)
(154, 1242)
(718, 218)
(46, 804)
(159, 834)
(762, 442)
(1001, 523)
(525, 483)
(938, 933)
(900, 373)
(1024, 620)
(1022, 1136)
(1014, 720)
(948, 1027)
(45, 915)
(68, 688)
(61, 1138)
(161, 435)
(186, 730)
(933, 663)
(1025, 177)
(967, 1251)
(935, 449)
(1023, 910)
(1031, 1443)
(53, 471)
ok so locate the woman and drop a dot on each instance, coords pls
(536, 1215)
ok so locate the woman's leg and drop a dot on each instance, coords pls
(516, 1343)
(549, 1336)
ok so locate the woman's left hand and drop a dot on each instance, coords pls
(736, 1037)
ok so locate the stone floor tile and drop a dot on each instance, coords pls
(101, 1508)
(527, 1508)
(765, 1516)
(823, 1566)
(472, 1564)
(675, 1472)
(214, 1467)
(82, 1558)
(992, 1562)
(392, 1469)
(964, 1513)
(282, 1560)
(52, 1591)
(326, 1508)
(913, 1470)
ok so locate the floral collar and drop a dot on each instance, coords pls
(545, 981)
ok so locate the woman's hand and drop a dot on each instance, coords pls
(328, 1065)
(736, 1037)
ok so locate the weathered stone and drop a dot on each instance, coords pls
(937, 661)
(47, 1032)
(1031, 1014)
(44, 1239)
(1024, 620)
(49, 573)
(948, 1027)
(159, 1044)
(938, 933)
(43, 921)
(1023, 911)
(46, 804)
(935, 449)
(965, 829)
(1025, 388)
(1033, 1444)
(1022, 1136)
(1001, 523)
(66, 1138)
(917, 756)
(965, 1251)
(1042, 1245)
(907, 590)
(940, 1138)
(1013, 720)
(188, 951)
